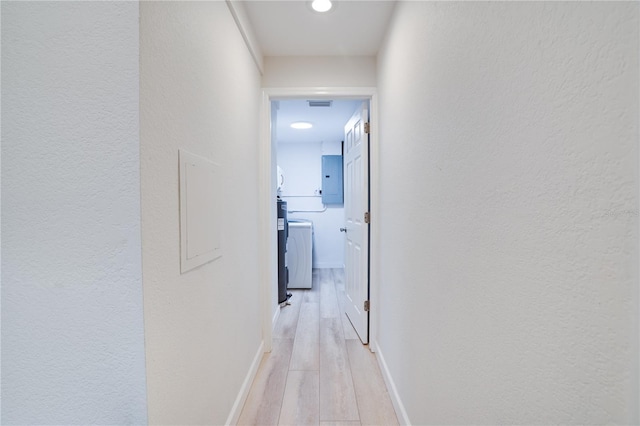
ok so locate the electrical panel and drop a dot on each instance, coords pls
(332, 187)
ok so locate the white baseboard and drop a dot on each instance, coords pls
(403, 418)
(234, 415)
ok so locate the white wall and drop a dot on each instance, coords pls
(302, 163)
(509, 221)
(72, 320)
(319, 71)
(199, 91)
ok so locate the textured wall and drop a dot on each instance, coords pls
(199, 91)
(72, 331)
(509, 185)
(319, 71)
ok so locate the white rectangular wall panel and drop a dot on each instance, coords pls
(199, 219)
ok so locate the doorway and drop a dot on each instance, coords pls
(300, 155)
(268, 193)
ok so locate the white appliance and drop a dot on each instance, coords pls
(299, 253)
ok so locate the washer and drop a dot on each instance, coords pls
(299, 253)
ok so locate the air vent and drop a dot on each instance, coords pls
(325, 104)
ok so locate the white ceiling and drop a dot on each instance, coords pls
(328, 122)
(292, 28)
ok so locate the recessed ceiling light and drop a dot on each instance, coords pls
(301, 125)
(321, 5)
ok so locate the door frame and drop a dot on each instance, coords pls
(267, 218)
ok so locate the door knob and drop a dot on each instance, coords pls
(343, 229)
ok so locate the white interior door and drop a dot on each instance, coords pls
(356, 195)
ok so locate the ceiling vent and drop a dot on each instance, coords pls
(325, 104)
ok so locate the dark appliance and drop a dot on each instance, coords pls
(283, 233)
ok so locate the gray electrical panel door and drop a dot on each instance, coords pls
(332, 189)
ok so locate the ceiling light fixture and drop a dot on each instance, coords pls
(301, 125)
(321, 5)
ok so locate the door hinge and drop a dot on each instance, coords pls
(366, 306)
(367, 127)
(367, 217)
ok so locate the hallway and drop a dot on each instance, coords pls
(504, 213)
(318, 371)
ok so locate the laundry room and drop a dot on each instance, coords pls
(309, 147)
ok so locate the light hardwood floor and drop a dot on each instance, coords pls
(318, 373)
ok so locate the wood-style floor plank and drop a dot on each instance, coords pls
(263, 404)
(337, 394)
(315, 376)
(300, 403)
(328, 299)
(306, 351)
(313, 294)
(338, 277)
(347, 327)
(288, 320)
(374, 403)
